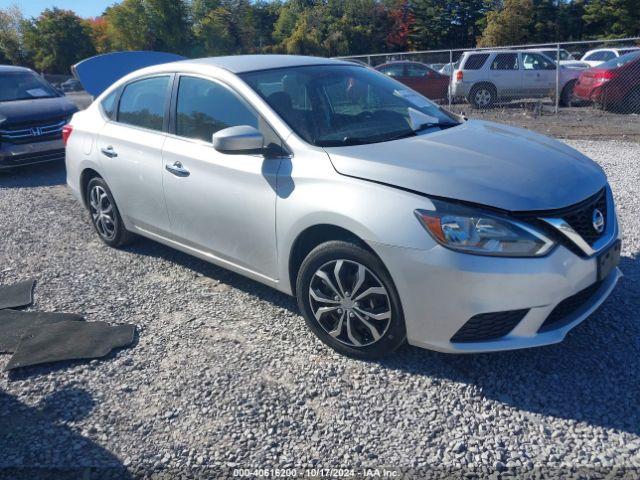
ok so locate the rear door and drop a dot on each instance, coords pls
(539, 74)
(130, 149)
(505, 73)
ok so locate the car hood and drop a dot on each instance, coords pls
(41, 109)
(480, 162)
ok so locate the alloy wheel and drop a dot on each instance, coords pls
(483, 97)
(102, 212)
(350, 303)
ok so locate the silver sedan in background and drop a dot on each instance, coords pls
(389, 218)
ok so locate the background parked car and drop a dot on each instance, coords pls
(600, 55)
(486, 77)
(32, 114)
(419, 77)
(613, 84)
(566, 58)
(71, 85)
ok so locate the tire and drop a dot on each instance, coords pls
(483, 96)
(104, 214)
(566, 96)
(356, 324)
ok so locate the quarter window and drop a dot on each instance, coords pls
(505, 61)
(142, 103)
(205, 107)
(109, 105)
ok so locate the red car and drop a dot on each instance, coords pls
(418, 77)
(613, 85)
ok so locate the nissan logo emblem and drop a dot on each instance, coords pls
(598, 221)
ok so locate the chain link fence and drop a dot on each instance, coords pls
(585, 89)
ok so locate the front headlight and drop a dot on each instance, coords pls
(470, 230)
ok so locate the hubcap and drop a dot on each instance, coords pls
(102, 212)
(350, 303)
(483, 97)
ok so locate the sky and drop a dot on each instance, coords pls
(84, 8)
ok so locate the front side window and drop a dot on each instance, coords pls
(534, 61)
(415, 70)
(205, 107)
(505, 61)
(24, 86)
(608, 55)
(345, 105)
(396, 70)
(142, 103)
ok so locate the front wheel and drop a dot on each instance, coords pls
(349, 301)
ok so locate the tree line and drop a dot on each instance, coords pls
(59, 38)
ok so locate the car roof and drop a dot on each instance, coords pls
(13, 69)
(253, 63)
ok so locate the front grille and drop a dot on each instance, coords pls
(581, 217)
(569, 306)
(29, 158)
(35, 132)
(488, 326)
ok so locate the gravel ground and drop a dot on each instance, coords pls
(224, 373)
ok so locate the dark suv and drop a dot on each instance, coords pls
(32, 114)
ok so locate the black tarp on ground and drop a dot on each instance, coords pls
(14, 324)
(16, 295)
(69, 340)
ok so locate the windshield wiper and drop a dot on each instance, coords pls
(427, 125)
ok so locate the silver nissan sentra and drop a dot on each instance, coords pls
(388, 217)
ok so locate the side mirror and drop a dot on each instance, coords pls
(238, 140)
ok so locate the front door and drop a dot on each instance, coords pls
(221, 204)
(539, 74)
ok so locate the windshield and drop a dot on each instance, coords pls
(620, 61)
(24, 86)
(336, 105)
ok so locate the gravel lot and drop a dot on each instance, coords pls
(224, 373)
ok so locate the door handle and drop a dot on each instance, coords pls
(109, 152)
(177, 169)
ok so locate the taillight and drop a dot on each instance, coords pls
(66, 133)
(603, 76)
(459, 75)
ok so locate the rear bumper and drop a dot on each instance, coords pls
(17, 155)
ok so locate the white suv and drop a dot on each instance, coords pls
(601, 55)
(485, 77)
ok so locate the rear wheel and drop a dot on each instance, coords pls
(104, 214)
(566, 97)
(349, 301)
(483, 96)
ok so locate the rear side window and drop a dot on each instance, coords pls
(415, 70)
(505, 61)
(205, 107)
(476, 61)
(142, 103)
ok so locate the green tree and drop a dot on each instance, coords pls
(162, 25)
(612, 18)
(11, 36)
(57, 39)
(510, 25)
